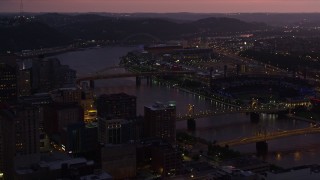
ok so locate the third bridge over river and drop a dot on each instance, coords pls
(270, 136)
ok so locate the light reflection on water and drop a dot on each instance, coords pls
(286, 152)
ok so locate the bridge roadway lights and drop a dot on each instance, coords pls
(262, 148)
(254, 117)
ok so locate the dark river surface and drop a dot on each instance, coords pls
(286, 152)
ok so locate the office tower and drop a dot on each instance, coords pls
(114, 131)
(66, 95)
(8, 79)
(40, 101)
(49, 74)
(7, 143)
(163, 157)
(166, 160)
(80, 138)
(119, 160)
(116, 106)
(160, 121)
(27, 130)
(27, 135)
(59, 116)
(87, 103)
(24, 82)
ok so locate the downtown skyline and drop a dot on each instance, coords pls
(165, 6)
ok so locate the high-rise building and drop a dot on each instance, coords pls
(7, 144)
(87, 103)
(80, 138)
(163, 157)
(27, 135)
(66, 95)
(8, 79)
(166, 160)
(119, 160)
(49, 74)
(24, 82)
(160, 121)
(117, 106)
(59, 116)
(40, 101)
(115, 131)
(27, 130)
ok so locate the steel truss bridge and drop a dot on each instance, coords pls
(210, 113)
(270, 136)
(132, 74)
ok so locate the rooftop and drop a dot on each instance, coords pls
(160, 106)
(116, 96)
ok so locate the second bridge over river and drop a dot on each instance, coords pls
(210, 113)
(138, 75)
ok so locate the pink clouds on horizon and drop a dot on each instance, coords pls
(208, 6)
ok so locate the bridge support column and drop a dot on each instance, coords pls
(283, 114)
(211, 79)
(91, 84)
(149, 80)
(138, 81)
(262, 148)
(225, 69)
(254, 117)
(191, 123)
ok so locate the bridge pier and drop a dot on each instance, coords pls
(91, 84)
(262, 148)
(254, 117)
(149, 80)
(225, 69)
(138, 81)
(191, 124)
(269, 115)
(238, 69)
(211, 79)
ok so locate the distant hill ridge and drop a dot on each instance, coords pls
(30, 35)
(54, 29)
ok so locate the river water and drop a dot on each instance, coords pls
(286, 152)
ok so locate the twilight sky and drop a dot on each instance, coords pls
(207, 6)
